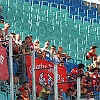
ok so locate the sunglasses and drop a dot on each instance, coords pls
(37, 42)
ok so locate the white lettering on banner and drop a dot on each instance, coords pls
(42, 80)
(50, 80)
(30, 69)
(60, 77)
(40, 66)
(1, 59)
(51, 70)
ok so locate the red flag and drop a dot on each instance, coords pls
(3, 64)
(46, 76)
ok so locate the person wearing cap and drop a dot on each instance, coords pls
(91, 55)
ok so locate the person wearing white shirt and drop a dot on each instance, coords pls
(5, 31)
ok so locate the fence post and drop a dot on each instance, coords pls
(11, 69)
(78, 88)
(56, 82)
(24, 67)
(33, 76)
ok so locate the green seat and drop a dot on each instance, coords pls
(79, 20)
(88, 22)
(65, 46)
(34, 31)
(49, 27)
(42, 17)
(65, 35)
(18, 28)
(34, 15)
(57, 33)
(19, 6)
(53, 7)
(36, 6)
(42, 25)
(49, 36)
(45, 5)
(80, 56)
(27, 6)
(60, 16)
(1, 25)
(72, 47)
(3, 96)
(10, 17)
(73, 55)
(18, 18)
(57, 43)
(26, 14)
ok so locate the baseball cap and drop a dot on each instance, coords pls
(93, 47)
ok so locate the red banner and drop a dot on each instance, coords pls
(3, 64)
(46, 76)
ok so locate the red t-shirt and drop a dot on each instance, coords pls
(75, 72)
(91, 55)
(94, 79)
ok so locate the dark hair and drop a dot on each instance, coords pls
(19, 98)
(25, 83)
(81, 66)
(12, 33)
(68, 90)
(25, 89)
(23, 41)
(81, 75)
(31, 36)
(53, 46)
(26, 37)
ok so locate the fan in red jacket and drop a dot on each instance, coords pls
(95, 76)
(91, 55)
(77, 71)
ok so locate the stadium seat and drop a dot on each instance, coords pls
(1, 25)
(67, 2)
(63, 8)
(18, 19)
(60, 16)
(34, 31)
(36, 6)
(59, 2)
(70, 64)
(87, 21)
(3, 96)
(27, 6)
(45, 5)
(65, 36)
(71, 8)
(57, 33)
(78, 19)
(18, 28)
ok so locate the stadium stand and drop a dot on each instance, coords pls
(66, 23)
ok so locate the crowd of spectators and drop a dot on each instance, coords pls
(90, 80)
